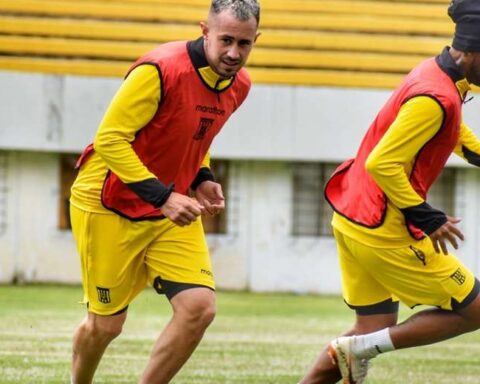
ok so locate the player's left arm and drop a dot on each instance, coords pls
(468, 146)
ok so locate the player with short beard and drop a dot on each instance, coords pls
(132, 218)
(392, 244)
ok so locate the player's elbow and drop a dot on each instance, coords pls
(382, 170)
(99, 145)
(103, 144)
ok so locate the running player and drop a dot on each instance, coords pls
(392, 244)
(132, 218)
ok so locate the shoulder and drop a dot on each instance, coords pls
(423, 107)
(165, 52)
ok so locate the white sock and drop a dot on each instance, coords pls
(372, 344)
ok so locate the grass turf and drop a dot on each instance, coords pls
(256, 338)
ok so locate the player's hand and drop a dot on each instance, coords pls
(447, 232)
(181, 209)
(210, 195)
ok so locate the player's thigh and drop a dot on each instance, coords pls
(361, 290)
(178, 259)
(111, 250)
(418, 275)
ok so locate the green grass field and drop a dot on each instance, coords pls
(256, 338)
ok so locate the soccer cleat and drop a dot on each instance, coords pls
(352, 368)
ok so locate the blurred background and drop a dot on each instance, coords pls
(321, 70)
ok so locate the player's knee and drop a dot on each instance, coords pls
(471, 314)
(106, 331)
(201, 315)
(204, 314)
(209, 314)
(472, 321)
(105, 328)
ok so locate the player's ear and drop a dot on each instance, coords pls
(204, 28)
(256, 36)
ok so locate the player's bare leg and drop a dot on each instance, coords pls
(324, 371)
(193, 311)
(90, 340)
(432, 326)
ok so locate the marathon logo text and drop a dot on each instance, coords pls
(212, 110)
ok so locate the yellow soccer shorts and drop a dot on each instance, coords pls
(374, 279)
(119, 258)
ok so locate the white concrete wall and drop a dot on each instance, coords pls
(7, 262)
(468, 210)
(55, 113)
(280, 262)
(259, 252)
(32, 248)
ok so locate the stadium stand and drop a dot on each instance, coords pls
(346, 43)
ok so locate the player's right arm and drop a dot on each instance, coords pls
(391, 161)
(132, 107)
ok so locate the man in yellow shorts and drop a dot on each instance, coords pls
(392, 244)
(132, 216)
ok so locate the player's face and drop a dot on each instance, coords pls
(473, 71)
(228, 42)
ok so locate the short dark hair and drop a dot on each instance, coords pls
(242, 9)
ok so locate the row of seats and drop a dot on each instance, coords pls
(286, 13)
(352, 43)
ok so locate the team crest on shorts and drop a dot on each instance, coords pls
(458, 276)
(103, 295)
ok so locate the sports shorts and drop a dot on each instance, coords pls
(375, 279)
(119, 258)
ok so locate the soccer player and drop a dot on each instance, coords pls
(392, 244)
(132, 218)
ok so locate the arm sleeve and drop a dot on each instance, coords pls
(206, 161)
(468, 147)
(132, 107)
(391, 161)
(204, 173)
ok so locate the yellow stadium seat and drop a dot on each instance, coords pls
(356, 43)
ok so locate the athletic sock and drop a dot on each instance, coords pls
(372, 344)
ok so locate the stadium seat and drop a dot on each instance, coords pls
(346, 43)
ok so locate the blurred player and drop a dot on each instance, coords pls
(392, 244)
(132, 218)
